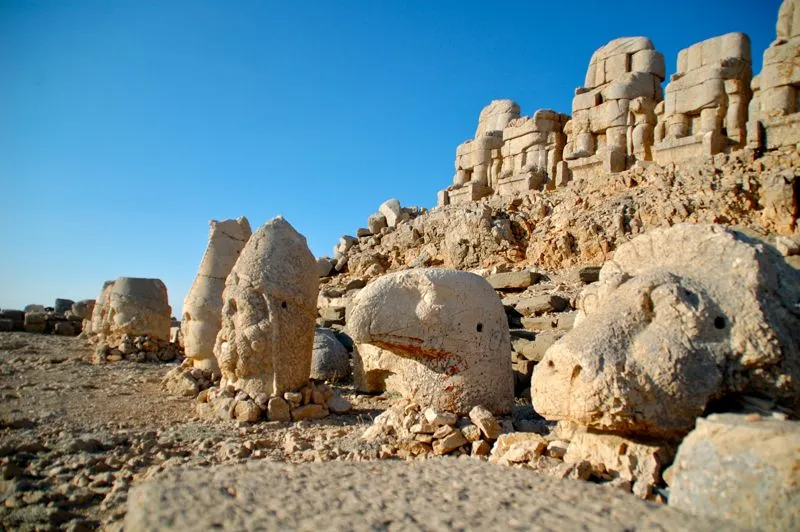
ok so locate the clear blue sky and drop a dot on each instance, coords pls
(126, 125)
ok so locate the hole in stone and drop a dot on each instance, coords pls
(283, 305)
(719, 322)
(480, 327)
(576, 372)
(550, 364)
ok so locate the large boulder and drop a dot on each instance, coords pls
(330, 361)
(268, 313)
(450, 327)
(202, 307)
(680, 317)
(740, 468)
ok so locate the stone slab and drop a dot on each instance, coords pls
(436, 494)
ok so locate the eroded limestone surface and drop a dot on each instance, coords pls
(467, 494)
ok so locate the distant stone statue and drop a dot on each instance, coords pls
(705, 107)
(774, 119)
(268, 314)
(202, 306)
(623, 71)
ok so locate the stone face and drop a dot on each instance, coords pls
(451, 330)
(739, 469)
(100, 322)
(330, 361)
(202, 307)
(139, 307)
(172, 500)
(681, 316)
(708, 95)
(613, 114)
(268, 313)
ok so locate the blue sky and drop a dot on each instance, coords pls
(126, 125)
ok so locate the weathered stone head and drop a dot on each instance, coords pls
(680, 317)
(268, 313)
(451, 330)
(99, 321)
(203, 304)
(139, 307)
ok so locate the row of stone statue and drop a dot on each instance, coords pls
(621, 116)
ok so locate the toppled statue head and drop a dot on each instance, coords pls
(680, 317)
(450, 332)
(268, 313)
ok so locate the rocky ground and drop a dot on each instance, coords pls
(74, 436)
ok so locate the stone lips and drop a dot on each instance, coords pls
(680, 317)
(202, 306)
(268, 313)
(449, 327)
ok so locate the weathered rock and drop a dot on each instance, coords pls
(310, 411)
(247, 411)
(517, 447)
(485, 421)
(325, 266)
(391, 210)
(330, 361)
(338, 405)
(172, 501)
(613, 456)
(536, 305)
(202, 307)
(680, 317)
(269, 307)
(64, 328)
(376, 222)
(742, 469)
(179, 382)
(449, 443)
(6, 325)
(278, 410)
(513, 280)
(452, 331)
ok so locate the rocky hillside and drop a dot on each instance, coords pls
(583, 223)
